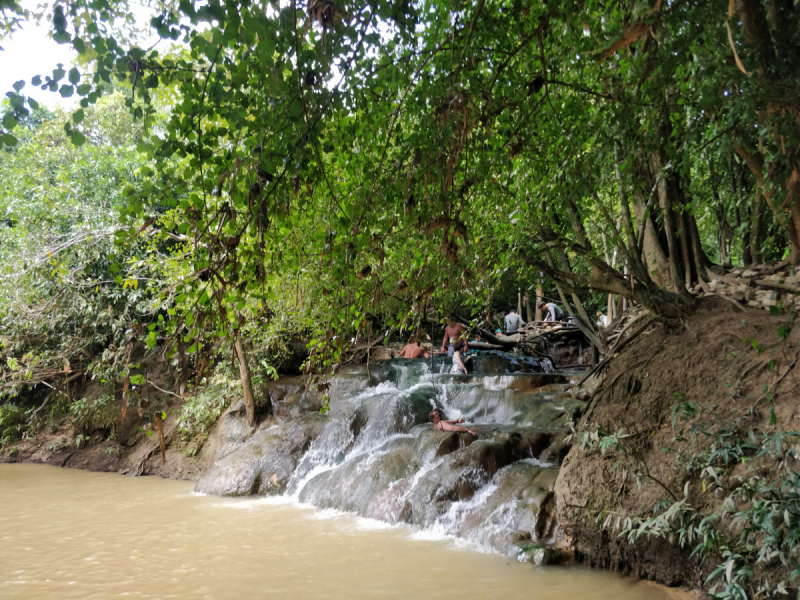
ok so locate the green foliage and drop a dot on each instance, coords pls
(61, 309)
(371, 163)
(202, 410)
(756, 524)
(99, 413)
(12, 423)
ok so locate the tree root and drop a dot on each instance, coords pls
(775, 385)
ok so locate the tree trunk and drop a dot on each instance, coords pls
(577, 225)
(637, 268)
(247, 386)
(669, 227)
(538, 313)
(653, 252)
(527, 307)
(793, 227)
(565, 266)
(738, 189)
(580, 321)
(755, 228)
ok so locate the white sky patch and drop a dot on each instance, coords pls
(31, 51)
(28, 52)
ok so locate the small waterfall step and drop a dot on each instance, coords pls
(376, 453)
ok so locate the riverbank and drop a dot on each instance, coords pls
(656, 395)
(682, 423)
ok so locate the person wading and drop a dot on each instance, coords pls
(442, 425)
(413, 350)
(452, 331)
(459, 367)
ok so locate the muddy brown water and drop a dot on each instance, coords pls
(74, 534)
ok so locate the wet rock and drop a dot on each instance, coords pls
(556, 453)
(459, 475)
(391, 465)
(381, 353)
(354, 485)
(266, 463)
(544, 555)
(290, 398)
(228, 435)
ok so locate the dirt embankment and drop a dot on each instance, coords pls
(710, 362)
(130, 452)
(101, 442)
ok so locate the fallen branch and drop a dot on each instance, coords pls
(776, 285)
(46, 400)
(603, 363)
(164, 391)
(77, 375)
(734, 302)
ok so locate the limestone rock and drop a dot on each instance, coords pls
(265, 464)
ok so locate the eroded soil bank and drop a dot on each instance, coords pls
(671, 405)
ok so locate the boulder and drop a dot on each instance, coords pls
(354, 485)
(265, 464)
(229, 434)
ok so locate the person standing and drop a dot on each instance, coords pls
(452, 331)
(554, 312)
(513, 321)
(459, 366)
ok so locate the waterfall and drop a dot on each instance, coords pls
(376, 454)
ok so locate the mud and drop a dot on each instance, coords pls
(708, 361)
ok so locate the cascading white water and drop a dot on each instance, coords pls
(378, 456)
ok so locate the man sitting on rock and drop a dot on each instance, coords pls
(442, 425)
(413, 350)
(513, 321)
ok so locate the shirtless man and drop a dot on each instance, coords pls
(413, 350)
(441, 425)
(452, 330)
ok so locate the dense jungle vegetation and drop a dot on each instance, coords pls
(237, 175)
(338, 172)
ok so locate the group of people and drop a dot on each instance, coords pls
(513, 321)
(454, 343)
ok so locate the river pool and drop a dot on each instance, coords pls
(73, 534)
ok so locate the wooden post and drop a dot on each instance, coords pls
(528, 307)
(519, 302)
(538, 312)
(610, 311)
